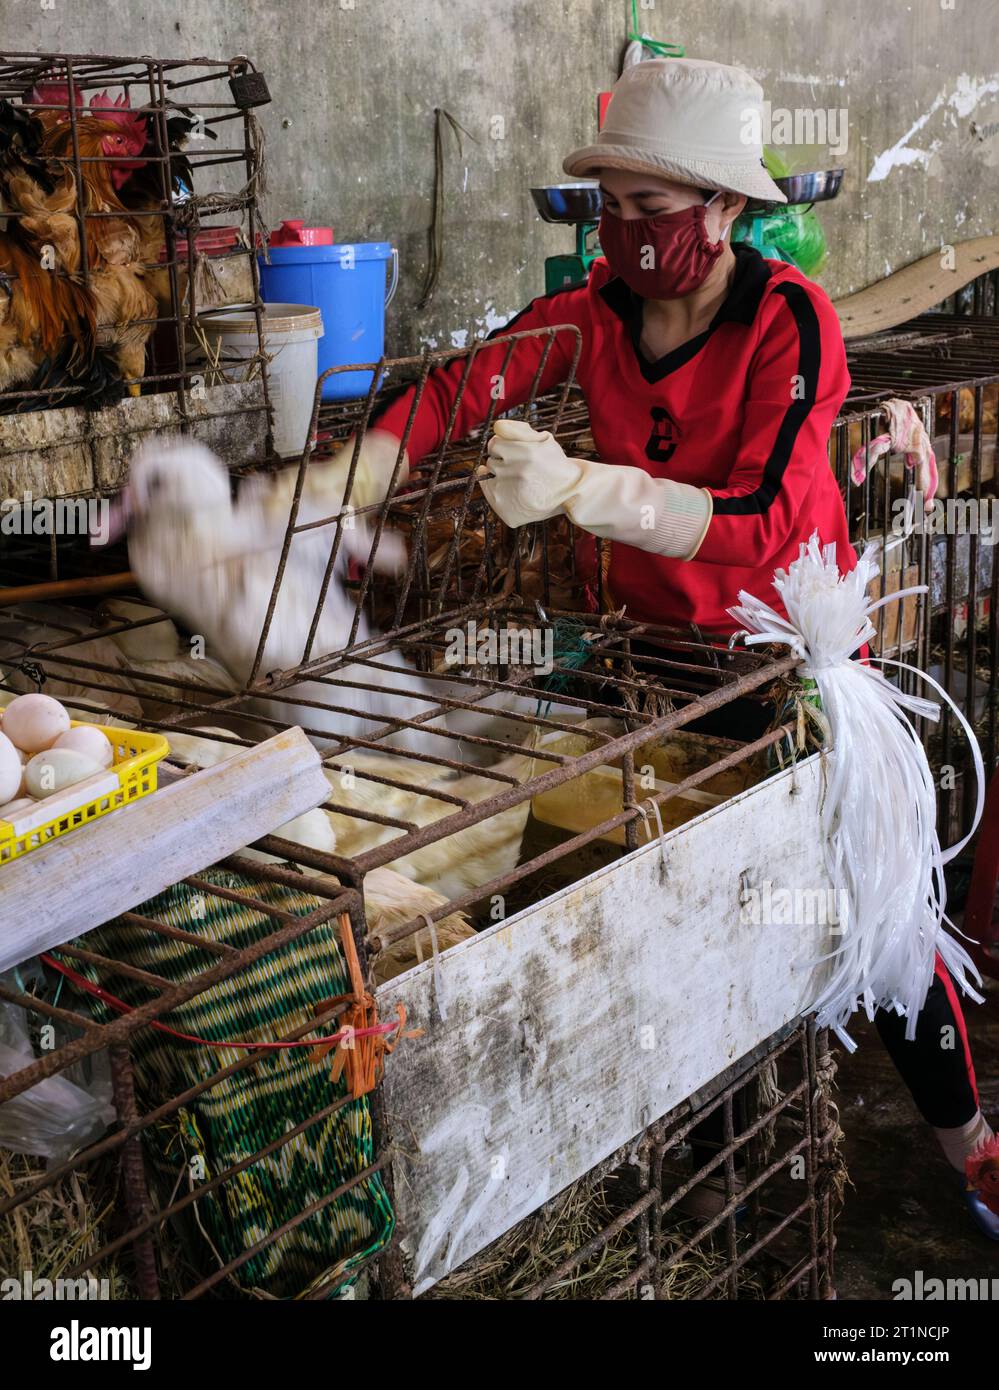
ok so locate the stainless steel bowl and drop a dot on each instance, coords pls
(816, 187)
(568, 202)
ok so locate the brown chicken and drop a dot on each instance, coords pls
(104, 295)
(119, 248)
(45, 319)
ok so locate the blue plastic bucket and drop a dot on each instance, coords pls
(348, 283)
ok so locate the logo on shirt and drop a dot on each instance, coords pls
(665, 436)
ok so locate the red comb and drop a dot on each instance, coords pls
(101, 101)
(119, 112)
(53, 94)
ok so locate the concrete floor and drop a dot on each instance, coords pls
(903, 1211)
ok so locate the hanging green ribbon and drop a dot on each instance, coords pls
(661, 50)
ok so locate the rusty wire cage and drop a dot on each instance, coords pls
(947, 365)
(637, 687)
(116, 173)
(620, 691)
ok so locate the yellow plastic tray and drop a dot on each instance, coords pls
(135, 758)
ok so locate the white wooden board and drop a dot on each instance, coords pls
(574, 1025)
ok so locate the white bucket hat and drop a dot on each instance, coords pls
(687, 119)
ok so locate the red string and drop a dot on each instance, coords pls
(115, 1003)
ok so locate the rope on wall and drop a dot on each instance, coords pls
(435, 261)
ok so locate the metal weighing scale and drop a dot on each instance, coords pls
(801, 191)
(578, 205)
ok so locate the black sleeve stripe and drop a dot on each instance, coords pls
(809, 360)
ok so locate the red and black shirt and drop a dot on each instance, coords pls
(744, 409)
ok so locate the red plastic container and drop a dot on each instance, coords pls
(294, 232)
(212, 241)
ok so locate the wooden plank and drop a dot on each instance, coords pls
(94, 873)
(915, 288)
(571, 1027)
(887, 619)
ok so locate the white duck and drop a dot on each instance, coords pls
(460, 862)
(33, 625)
(212, 563)
(390, 898)
(156, 651)
(456, 864)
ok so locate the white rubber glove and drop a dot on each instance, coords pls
(379, 451)
(534, 480)
(325, 479)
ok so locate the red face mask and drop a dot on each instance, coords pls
(661, 257)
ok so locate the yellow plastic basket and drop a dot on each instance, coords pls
(134, 766)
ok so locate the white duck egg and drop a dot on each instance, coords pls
(54, 769)
(10, 770)
(89, 741)
(34, 722)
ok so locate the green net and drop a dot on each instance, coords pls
(252, 1107)
(795, 233)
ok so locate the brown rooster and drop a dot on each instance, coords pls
(123, 205)
(44, 318)
(103, 301)
(119, 247)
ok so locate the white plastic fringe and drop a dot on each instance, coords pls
(882, 854)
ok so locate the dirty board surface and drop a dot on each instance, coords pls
(555, 1037)
(63, 889)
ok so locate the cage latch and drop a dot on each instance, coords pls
(365, 1043)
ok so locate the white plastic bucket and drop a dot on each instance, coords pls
(291, 336)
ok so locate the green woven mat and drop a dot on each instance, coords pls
(256, 1105)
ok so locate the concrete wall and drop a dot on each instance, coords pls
(355, 84)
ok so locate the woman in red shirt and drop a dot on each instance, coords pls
(712, 378)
